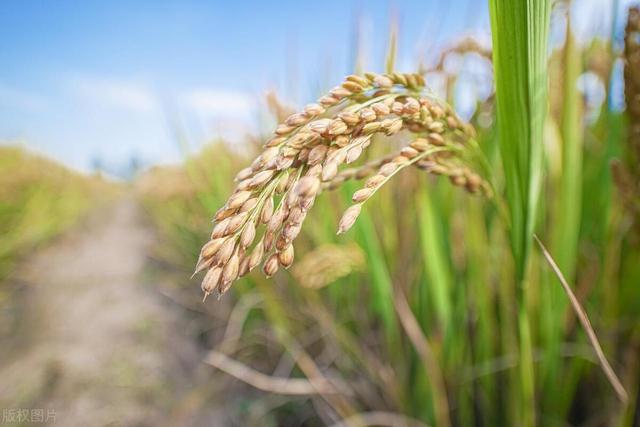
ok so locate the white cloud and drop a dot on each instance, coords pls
(218, 103)
(118, 94)
(15, 98)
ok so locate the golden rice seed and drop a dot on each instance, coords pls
(220, 229)
(382, 81)
(400, 78)
(420, 79)
(313, 109)
(400, 160)
(307, 203)
(370, 76)
(337, 157)
(270, 266)
(203, 264)
(314, 171)
(276, 220)
(291, 181)
(339, 92)
(372, 127)
(412, 82)
(415, 127)
(285, 256)
(337, 127)
(426, 165)
(452, 122)
(211, 247)
(235, 222)
(289, 151)
(243, 174)
(397, 108)
(283, 129)
(261, 178)
(362, 195)
(349, 117)
(268, 240)
(303, 155)
(474, 182)
(437, 169)
(291, 231)
(256, 256)
(256, 165)
(394, 127)
(352, 87)
(341, 141)
(244, 184)
(409, 152)
(299, 139)
(349, 218)
(223, 287)
(296, 215)
(291, 199)
(269, 154)
(367, 115)
(281, 242)
(388, 169)
(248, 234)
(411, 106)
(281, 187)
(329, 171)
(317, 154)
(284, 162)
(353, 154)
(238, 199)
(267, 211)
(319, 126)
(223, 213)
(249, 204)
(307, 186)
(375, 181)
(436, 127)
(275, 141)
(243, 268)
(436, 139)
(458, 180)
(358, 80)
(211, 280)
(381, 108)
(420, 144)
(225, 252)
(328, 101)
(296, 120)
(230, 270)
(436, 110)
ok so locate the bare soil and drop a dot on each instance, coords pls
(93, 338)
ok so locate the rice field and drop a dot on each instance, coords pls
(438, 307)
(383, 256)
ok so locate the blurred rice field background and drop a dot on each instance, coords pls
(415, 311)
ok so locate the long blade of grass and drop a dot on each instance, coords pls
(586, 324)
(519, 30)
(429, 360)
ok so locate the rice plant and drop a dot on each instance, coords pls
(437, 308)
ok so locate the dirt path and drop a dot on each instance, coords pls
(95, 342)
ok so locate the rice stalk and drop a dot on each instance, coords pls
(262, 218)
(519, 30)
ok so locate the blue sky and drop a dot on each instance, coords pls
(87, 79)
